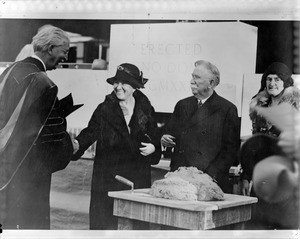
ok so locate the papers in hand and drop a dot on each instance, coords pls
(67, 106)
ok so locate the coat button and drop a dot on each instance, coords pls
(203, 132)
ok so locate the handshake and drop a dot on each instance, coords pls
(66, 108)
(75, 144)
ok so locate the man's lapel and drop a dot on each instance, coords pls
(206, 110)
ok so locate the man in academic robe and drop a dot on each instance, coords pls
(33, 138)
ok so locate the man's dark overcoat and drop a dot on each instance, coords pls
(33, 144)
(207, 137)
(117, 153)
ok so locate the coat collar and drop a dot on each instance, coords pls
(38, 58)
(207, 109)
(290, 94)
(140, 115)
(139, 118)
(36, 62)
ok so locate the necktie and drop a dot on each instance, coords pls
(200, 103)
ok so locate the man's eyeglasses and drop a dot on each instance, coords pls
(64, 50)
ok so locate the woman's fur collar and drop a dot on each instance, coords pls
(290, 95)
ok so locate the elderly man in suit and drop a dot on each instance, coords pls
(204, 128)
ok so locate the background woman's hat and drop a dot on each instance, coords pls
(281, 70)
(129, 74)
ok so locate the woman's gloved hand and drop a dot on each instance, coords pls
(246, 187)
(147, 149)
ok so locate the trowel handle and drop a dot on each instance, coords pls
(124, 180)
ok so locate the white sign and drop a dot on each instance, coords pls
(88, 87)
(166, 53)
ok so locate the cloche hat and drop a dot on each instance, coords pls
(281, 70)
(129, 74)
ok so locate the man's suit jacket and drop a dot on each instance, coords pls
(206, 137)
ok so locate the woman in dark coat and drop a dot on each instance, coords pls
(127, 144)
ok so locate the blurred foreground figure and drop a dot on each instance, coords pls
(276, 178)
(270, 157)
(33, 138)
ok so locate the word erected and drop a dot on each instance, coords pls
(170, 49)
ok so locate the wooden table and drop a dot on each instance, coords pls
(194, 215)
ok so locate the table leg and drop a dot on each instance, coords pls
(125, 223)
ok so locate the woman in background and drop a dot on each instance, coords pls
(277, 86)
(125, 130)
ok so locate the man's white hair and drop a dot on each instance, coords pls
(49, 36)
(212, 68)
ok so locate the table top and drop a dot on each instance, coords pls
(143, 196)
